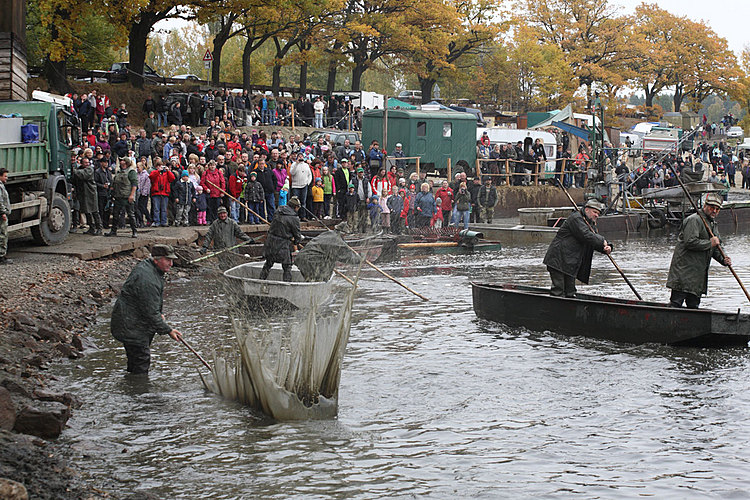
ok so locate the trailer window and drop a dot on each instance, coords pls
(447, 129)
(421, 129)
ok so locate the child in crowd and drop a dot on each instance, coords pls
(385, 211)
(351, 206)
(374, 207)
(255, 197)
(318, 197)
(184, 194)
(201, 205)
(284, 193)
(437, 218)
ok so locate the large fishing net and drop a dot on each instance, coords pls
(288, 359)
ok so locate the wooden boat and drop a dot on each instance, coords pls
(619, 320)
(274, 291)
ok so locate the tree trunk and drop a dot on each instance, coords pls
(333, 66)
(219, 42)
(303, 79)
(276, 77)
(56, 74)
(649, 96)
(357, 73)
(426, 85)
(678, 96)
(247, 51)
(137, 40)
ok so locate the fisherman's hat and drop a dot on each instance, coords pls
(713, 199)
(294, 202)
(163, 251)
(599, 207)
(222, 210)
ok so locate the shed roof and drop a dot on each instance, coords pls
(430, 115)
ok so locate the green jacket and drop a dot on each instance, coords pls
(224, 234)
(124, 182)
(688, 271)
(136, 316)
(573, 247)
(4, 200)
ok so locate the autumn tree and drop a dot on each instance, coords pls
(590, 34)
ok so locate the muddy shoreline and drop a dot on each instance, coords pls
(46, 306)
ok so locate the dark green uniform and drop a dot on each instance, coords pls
(283, 233)
(88, 198)
(318, 258)
(137, 315)
(569, 255)
(224, 234)
(122, 185)
(688, 272)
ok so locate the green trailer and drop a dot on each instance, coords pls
(434, 136)
(38, 172)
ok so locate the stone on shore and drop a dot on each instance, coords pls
(43, 419)
(7, 411)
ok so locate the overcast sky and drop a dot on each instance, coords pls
(728, 18)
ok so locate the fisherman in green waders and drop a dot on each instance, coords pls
(137, 315)
(688, 272)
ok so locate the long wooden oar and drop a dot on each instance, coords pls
(194, 352)
(608, 255)
(371, 264)
(708, 228)
(214, 254)
(238, 201)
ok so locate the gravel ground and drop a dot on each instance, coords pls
(46, 303)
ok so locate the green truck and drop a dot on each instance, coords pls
(39, 172)
(434, 136)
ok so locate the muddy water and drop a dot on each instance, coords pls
(434, 402)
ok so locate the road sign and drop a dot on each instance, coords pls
(208, 56)
(207, 64)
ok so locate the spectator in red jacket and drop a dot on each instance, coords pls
(212, 178)
(236, 188)
(445, 194)
(161, 187)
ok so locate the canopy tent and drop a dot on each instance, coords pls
(395, 103)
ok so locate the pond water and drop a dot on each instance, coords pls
(433, 401)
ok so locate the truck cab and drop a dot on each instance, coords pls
(39, 168)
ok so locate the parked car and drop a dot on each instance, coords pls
(411, 96)
(735, 132)
(118, 73)
(187, 76)
(337, 136)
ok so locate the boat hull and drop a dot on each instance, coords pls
(273, 291)
(618, 320)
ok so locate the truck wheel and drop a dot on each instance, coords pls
(54, 227)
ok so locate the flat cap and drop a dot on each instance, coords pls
(163, 251)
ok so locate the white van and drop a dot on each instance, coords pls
(501, 136)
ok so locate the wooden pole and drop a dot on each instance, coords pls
(507, 171)
(292, 118)
(194, 352)
(214, 254)
(449, 170)
(238, 201)
(708, 228)
(608, 255)
(385, 123)
(370, 263)
(417, 166)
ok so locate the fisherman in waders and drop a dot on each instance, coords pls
(137, 315)
(570, 253)
(223, 232)
(688, 272)
(283, 234)
(318, 258)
